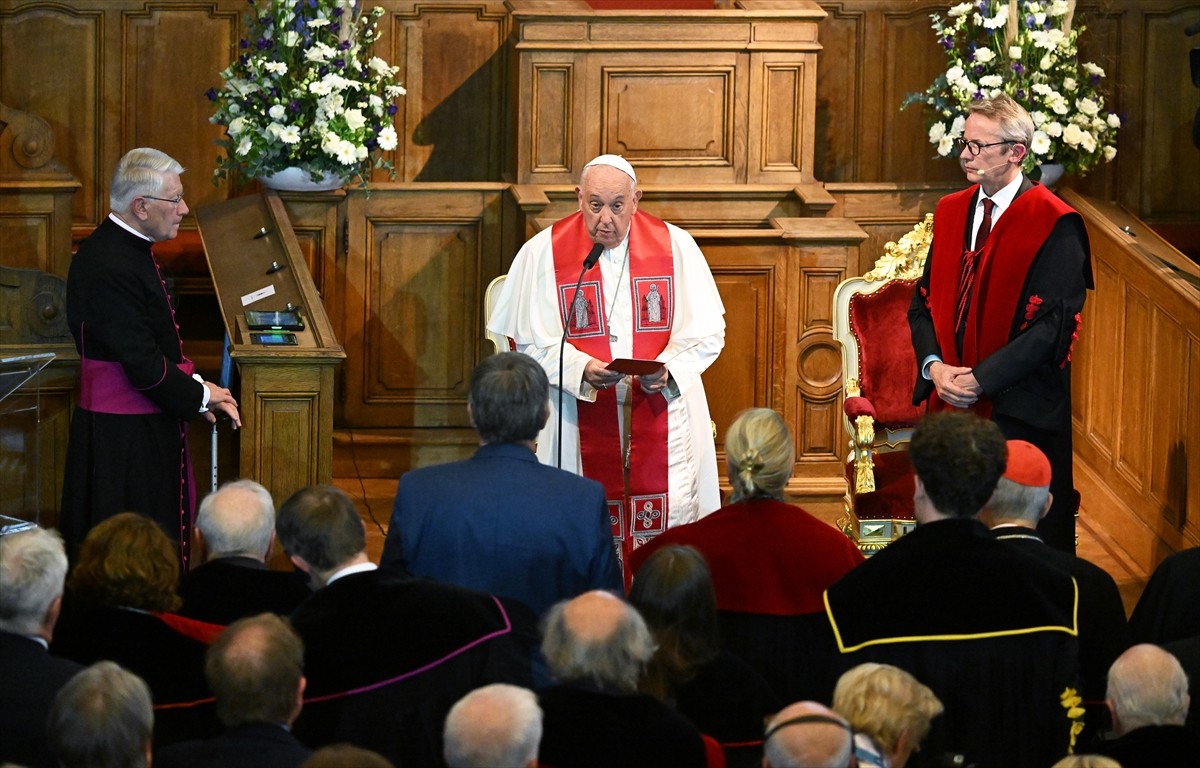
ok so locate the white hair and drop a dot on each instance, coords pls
(1147, 686)
(496, 725)
(33, 566)
(231, 528)
(139, 173)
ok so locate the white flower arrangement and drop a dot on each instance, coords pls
(1028, 50)
(306, 91)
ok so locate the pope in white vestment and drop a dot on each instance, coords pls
(528, 312)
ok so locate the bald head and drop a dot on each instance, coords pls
(599, 638)
(1146, 686)
(495, 725)
(794, 741)
(237, 520)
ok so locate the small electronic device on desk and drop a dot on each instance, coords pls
(273, 338)
(274, 320)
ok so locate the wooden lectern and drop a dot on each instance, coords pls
(286, 394)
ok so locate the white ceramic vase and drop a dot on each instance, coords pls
(1051, 173)
(298, 180)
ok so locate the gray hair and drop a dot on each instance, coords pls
(760, 453)
(825, 743)
(497, 725)
(227, 525)
(1015, 123)
(1147, 686)
(102, 718)
(139, 173)
(615, 662)
(1013, 501)
(33, 566)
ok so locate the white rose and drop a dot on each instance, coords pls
(960, 10)
(1014, 52)
(1054, 129)
(1072, 135)
(1088, 142)
(1059, 105)
(1113, 121)
(956, 128)
(355, 119)
(945, 146)
(1058, 7)
(1040, 144)
(936, 132)
(236, 126)
(244, 146)
(1109, 153)
(1092, 69)
(1069, 84)
(290, 39)
(379, 66)
(954, 74)
(1038, 117)
(388, 139)
(1087, 106)
(983, 54)
(277, 111)
(1046, 62)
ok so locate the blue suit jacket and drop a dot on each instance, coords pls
(500, 522)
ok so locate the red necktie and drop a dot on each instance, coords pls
(967, 277)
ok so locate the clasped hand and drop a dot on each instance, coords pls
(955, 385)
(221, 400)
(599, 376)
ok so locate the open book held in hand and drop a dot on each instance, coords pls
(634, 367)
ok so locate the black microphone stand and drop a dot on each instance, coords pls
(589, 262)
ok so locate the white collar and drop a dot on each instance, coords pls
(350, 569)
(123, 225)
(1003, 197)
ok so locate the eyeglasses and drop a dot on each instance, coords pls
(976, 147)
(175, 201)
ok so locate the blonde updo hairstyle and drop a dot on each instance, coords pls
(760, 454)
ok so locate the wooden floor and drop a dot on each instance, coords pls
(374, 497)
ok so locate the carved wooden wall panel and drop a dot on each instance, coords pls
(51, 64)
(454, 123)
(418, 263)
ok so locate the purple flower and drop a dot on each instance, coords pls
(263, 44)
(1018, 68)
(344, 45)
(948, 43)
(391, 110)
(243, 44)
(339, 63)
(337, 12)
(211, 93)
(294, 106)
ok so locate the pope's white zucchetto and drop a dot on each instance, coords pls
(615, 161)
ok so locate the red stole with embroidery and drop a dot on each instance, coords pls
(1000, 273)
(639, 512)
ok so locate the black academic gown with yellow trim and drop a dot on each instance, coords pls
(991, 630)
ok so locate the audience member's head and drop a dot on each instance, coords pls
(102, 718)
(673, 591)
(1015, 123)
(889, 705)
(1086, 761)
(509, 400)
(255, 669)
(237, 520)
(321, 531)
(808, 735)
(33, 566)
(497, 725)
(958, 457)
(1146, 686)
(127, 562)
(345, 756)
(760, 454)
(1022, 494)
(597, 638)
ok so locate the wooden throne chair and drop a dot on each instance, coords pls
(870, 319)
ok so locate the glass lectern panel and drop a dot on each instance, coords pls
(20, 441)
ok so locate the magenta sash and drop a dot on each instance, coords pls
(104, 388)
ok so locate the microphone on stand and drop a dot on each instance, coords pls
(589, 262)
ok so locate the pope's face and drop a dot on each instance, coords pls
(608, 200)
(159, 219)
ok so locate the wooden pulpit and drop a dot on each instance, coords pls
(286, 392)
